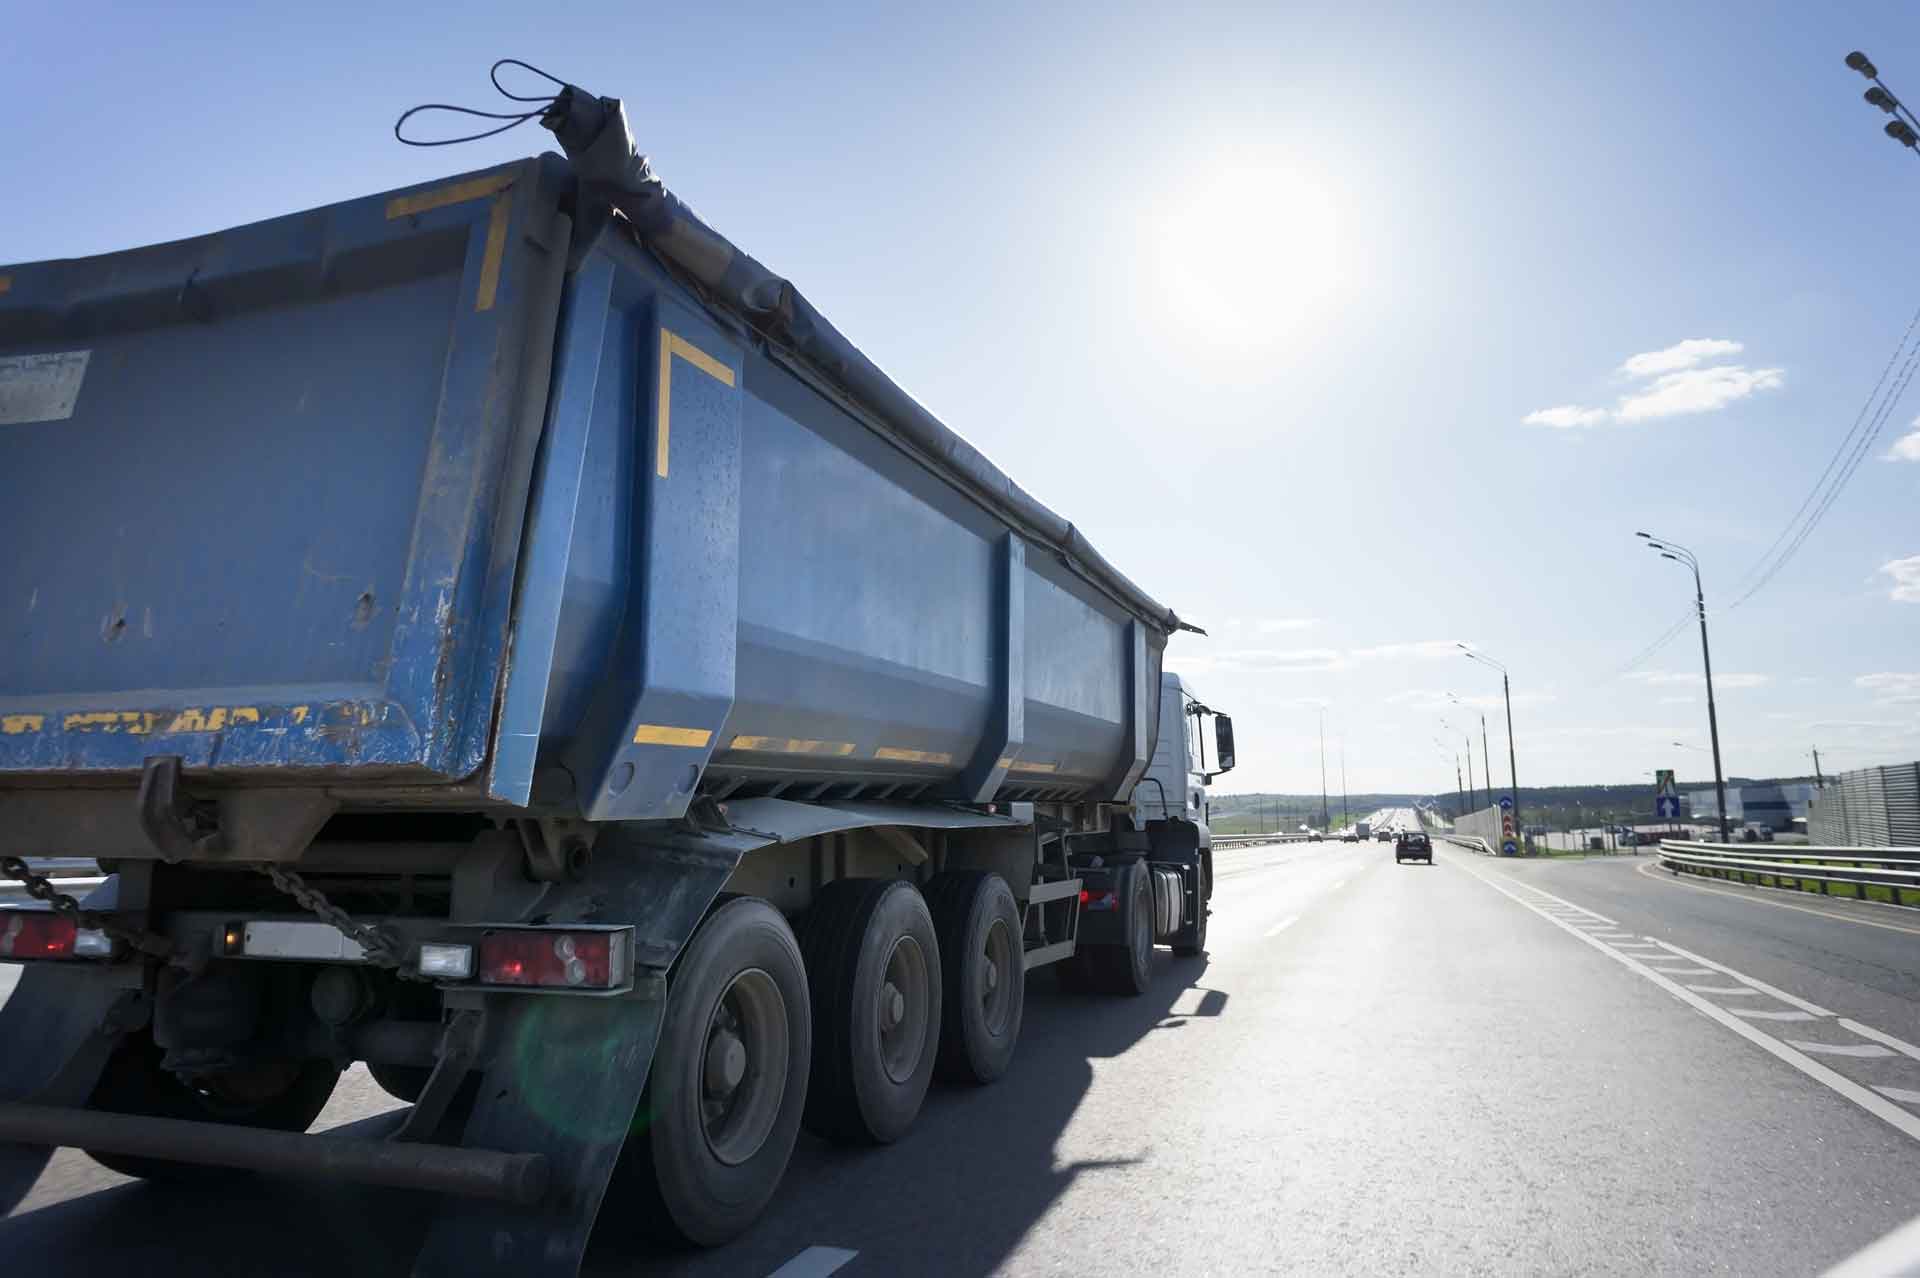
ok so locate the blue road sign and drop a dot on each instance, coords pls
(1510, 848)
(1667, 807)
(1506, 803)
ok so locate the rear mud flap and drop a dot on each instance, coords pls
(568, 1072)
(56, 1033)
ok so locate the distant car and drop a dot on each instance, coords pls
(1756, 832)
(1384, 836)
(1349, 836)
(1413, 846)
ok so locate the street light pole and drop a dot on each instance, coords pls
(1681, 555)
(1513, 769)
(1325, 819)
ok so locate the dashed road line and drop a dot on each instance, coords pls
(1865, 1051)
(1881, 1036)
(814, 1262)
(1780, 994)
(1866, 1098)
(1723, 989)
(1762, 1014)
(1283, 925)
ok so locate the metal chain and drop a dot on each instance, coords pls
(41, 888)
(382, 949)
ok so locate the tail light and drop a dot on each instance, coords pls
(42, 934)
(596, 960)
(1100, 900)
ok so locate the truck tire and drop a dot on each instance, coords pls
(873, 964)
(402, 1082)
(1128, 969)
(1191, 940)
(285, 1096)
(983, 971)
(729, 1081)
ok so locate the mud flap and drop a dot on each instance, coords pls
(567, 1072)
(59, 1027)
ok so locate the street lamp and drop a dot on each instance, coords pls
(1486, 756)
(1458, 792)
(1468, 737)
(1901, 127)
(1513, 769)
(1681, 555)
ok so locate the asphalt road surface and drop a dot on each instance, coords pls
(1479, 1067)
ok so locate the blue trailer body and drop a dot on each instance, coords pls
(429, 490)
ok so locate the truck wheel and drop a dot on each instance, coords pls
(402, 1082)
(729, 1081)
(1191, 940)
(282, 1095)
(874, 967)
(983, 966)
(1128, 969)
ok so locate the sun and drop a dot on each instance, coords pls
(1251, 251)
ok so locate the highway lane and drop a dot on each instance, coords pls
(1376, 1069)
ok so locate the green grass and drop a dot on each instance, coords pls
(1886, 894)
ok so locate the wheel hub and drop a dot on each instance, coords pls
(902, 1013)
(726, 1063)
(744, 1067)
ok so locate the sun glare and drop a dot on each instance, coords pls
(1250, 252)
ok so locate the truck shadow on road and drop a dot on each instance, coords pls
(955, 1196)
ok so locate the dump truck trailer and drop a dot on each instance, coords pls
(497, 631)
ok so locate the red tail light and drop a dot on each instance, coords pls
(41, 934)
(597, 960)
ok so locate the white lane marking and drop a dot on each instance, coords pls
(1881, 1036)
(1648, 869)
(1722, 989)
(1762, 1014)
(1551, 897)
(1899, 1094)
(814, 1262)
(1283, 925)
(1868, 1051)
(1342, 883)
(1683, 971)
(1875, 1104)
(1780, 994)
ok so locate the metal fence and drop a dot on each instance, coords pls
(1483, 825)
(1868, 808)
(1818, 869)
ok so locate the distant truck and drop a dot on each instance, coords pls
(1362, 830)
(532, 652)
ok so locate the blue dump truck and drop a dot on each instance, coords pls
(498, 632)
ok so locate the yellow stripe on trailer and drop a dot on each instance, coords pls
(662, 734)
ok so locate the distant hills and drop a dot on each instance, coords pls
(1558, 806)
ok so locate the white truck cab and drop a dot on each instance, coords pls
(1176, 780)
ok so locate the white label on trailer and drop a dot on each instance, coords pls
(40, 388)
(300, 941)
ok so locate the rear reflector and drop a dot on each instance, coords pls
(1102, 901)
(37, 934)
(596, 960)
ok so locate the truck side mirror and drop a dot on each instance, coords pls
(1223, 742)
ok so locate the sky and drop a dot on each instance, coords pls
(1354, 332)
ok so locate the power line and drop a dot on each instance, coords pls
(1855, 449)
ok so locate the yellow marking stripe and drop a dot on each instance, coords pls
(1018, 766)
(895, 755)
(666, 735)
(440, 197)
(672, 344)
(496, 250)
(790, 745)
(15, 724)
(140, 723)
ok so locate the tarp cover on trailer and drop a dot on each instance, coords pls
(596, 137)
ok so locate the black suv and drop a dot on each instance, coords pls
(1413, 846)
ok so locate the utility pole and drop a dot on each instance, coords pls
(1456, 779)
(1820, 782)
(1484, 758)
(1346, 818)
(1513, 768)
(1325, 818)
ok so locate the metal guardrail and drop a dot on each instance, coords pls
(1251, 840)
(1471, 842)
(1860, 867)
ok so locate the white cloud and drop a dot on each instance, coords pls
(1566, 417)
(1907, 447)
(1273, 625)
(1683, 354)
(1891, 687)
(1906, 579)
(1677, 701)
(1682, 382)
(1664, 678)
(1697, 390)
(1423, 650)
